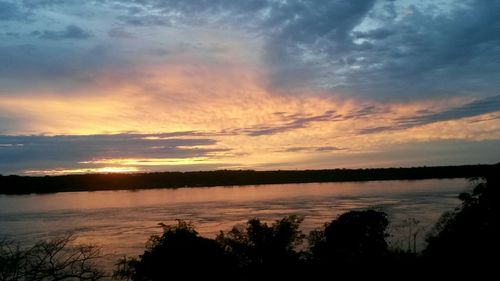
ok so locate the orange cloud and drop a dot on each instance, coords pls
(226, 100)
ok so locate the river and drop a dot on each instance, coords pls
(121, 221)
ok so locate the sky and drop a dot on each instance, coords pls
(178, 85)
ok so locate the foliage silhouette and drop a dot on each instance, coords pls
(265, 251)
(355, 236)
(356, 239)
(469, 235)
(56, 259)
(181, 253)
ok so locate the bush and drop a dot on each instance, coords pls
(56, 259)
(468, 236)
(181, 253)
(265, 251)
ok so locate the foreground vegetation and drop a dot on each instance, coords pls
(463, 243)
(56, 259)
(92, 182)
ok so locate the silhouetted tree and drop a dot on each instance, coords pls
(12, 261)
(56, 259)
(469, 235)
(351, 244)
(125, 268)
(405, 235)
(354, 236)
(263, 251)
(180, 253)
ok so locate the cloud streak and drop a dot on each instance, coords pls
(70, 32)
(474, 108)
(290, 122)
(43, 152)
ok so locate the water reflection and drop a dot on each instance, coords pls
(121, 221)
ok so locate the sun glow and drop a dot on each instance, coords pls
(151, 161)
(83, 171)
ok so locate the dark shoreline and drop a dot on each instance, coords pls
(14, 184)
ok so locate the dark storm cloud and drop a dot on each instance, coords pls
(25, 152)
(70, 32)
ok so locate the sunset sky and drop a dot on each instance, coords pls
(150, 85)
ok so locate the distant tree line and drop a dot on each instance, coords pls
(14, 184)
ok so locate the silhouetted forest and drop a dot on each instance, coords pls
(14, 184)
(463, 243)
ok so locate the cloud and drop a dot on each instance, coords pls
(302, 36)
(328, 148)
(28, 69)
(422, 54)
(32, 4)
(474, 108)
(411, 154)
(71, 32)
(412, 56)
(145, 20)
(40, 152)
(312, 149)
(478, 107)
(371, 49)
(367, 111)
(377, 50)
(120, 33)
(378, 129)
(11, 11)
(290, 122)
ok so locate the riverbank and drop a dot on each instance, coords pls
(15, 184)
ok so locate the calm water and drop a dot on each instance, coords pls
(121, 221)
